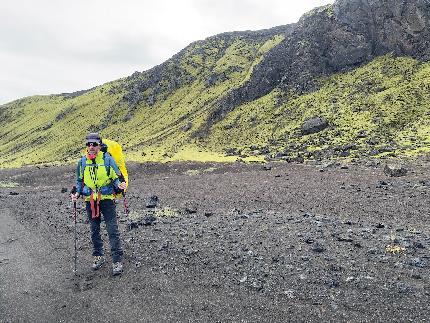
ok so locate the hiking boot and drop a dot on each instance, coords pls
(98, 262)
(116, 268)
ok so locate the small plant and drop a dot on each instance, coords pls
(192, 172)
(8, 184)
(395, 249)
(166, 212)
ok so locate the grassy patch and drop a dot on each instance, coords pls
(8, 184)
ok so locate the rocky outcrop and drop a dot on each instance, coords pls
(336, 38)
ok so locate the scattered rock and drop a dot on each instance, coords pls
(344, 238)
(395, 170)
(187, 127)
(403, 287)
(132, 225)
(309, 240)
(314, 125)
(190, 207)
(153, 201)
(362, 134)
(318, 247)
(148, 220)
(257, 285)
(243, 279)
(267, 167)
(418, 262)
(13, 193)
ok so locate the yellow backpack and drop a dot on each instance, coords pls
(115, 150)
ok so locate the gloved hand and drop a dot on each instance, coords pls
(74, 195)
(122, 186)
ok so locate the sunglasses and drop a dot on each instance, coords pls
(94, 144)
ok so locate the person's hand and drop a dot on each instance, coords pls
(122, 186)
(74, 197)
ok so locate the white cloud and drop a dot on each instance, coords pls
(65, 46)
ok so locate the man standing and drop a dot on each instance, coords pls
(97, 181)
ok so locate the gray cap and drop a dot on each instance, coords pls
(94, 137)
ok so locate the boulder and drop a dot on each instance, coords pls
(314, 125)
(395, 170)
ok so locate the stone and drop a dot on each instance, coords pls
(153, 201)
(395, 170)
(314, 125)
(148, 220)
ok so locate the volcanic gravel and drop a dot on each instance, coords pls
(224, 243)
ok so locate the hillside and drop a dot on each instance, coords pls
(348, 80)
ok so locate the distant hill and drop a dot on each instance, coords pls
(348, 80)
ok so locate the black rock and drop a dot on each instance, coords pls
(418, 262)
(153, 201)
(395, 170)
(309, 240)
(317, 247)
(344, 238)
(148, 220)
(63, 190)
(314, 125)
(334, 283)
(418, 245)
(13, 193)
(267, 167)
(131, 225)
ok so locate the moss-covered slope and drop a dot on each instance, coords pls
(153, 114)
(378, 109)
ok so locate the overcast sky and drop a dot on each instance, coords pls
(55, 46)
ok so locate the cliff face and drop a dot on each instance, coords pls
(395, 26)
(337, 38)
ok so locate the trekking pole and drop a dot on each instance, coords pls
(73, 191)
(125, 204)
(122, 179)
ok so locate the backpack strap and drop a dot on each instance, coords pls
(80, 171)
(107, 160)
(83, 164)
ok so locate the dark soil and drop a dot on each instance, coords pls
(230, 243)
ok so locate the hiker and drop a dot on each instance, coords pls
(98, 183)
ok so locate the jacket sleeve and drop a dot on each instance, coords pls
(116, 171)
(79, 177)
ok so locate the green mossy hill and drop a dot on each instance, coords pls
(153, 113)
(382, 108)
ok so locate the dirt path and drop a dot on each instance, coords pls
(31, 278)
(37, 285)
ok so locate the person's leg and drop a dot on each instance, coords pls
(95, 232)
(107, 207)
